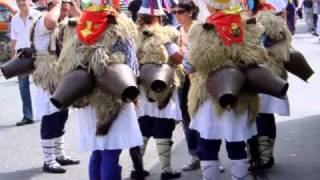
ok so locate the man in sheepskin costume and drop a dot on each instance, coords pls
(47, 36)
(223, 101)
(277, 41)
(41, 60)
(98, 65)
(158, 56)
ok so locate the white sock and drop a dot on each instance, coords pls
(48, 151)
(210, 170)
(239, 170)
(59, 147)
(143, 147)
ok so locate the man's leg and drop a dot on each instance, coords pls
(137, 160)
(24, 88)
(48, 134)
(162, 132)
(136, 153)
(94, 165)
(291, 20)
(266, 126)
(110, 168)
(238, 155)
(208, 153)
(59, 151)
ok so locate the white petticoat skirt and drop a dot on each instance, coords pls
(42, 104)
(124, 132)
(274, 105)
(171, 111)
(228, 126)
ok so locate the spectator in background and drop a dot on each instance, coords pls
(299, 12)
(19, 33)
(318, 11)
(40, 5)
(9, 27)
(280, 7)
(186, 13)
(315, 16)
(133, 8)
(169, 18)
(308, 14)
(291, 15)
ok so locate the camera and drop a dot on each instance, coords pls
(25, 52)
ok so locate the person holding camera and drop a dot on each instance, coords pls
(19, 34)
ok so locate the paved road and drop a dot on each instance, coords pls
(297, 146)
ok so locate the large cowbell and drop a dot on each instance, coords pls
(157, 77)
(261, 80)
(224, 85)
(119, 81)
(22, 64)
(73, 86)
(298, 65)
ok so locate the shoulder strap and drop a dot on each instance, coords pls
(33, 27)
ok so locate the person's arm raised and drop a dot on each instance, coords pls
(52, 17)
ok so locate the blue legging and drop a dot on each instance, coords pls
(104, 165)
(52, 125)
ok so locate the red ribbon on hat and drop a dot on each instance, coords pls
(151, 2)
(228, 26)
(166, 5)
(92, 25)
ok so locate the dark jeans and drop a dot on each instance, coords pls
(24, 87)
(291, 18)
(191, 135)
(315, 21)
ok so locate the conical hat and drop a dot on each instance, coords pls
(152, 7)
(223, 4)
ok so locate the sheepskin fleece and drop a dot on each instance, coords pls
(208, 53)
(151, 49)
(95, 58)
(276, 28)
(46, 73)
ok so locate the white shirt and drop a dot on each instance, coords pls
(42, 36)
(280, 5)
(20, 30)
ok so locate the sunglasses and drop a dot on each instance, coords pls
(181, 11)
